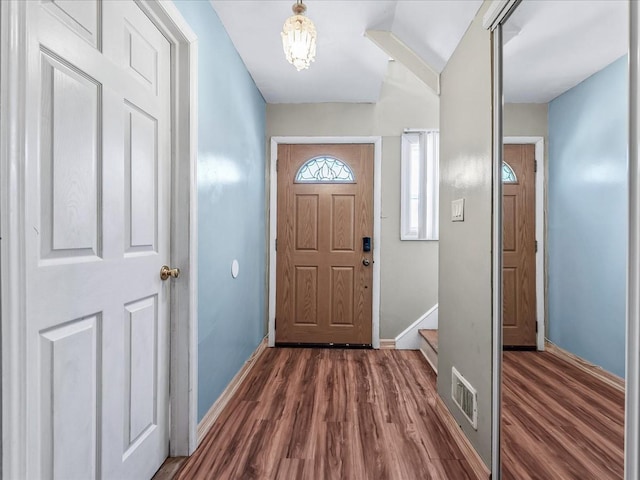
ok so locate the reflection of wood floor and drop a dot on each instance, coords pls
(325, 414)
(558, 421)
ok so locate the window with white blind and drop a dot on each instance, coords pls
(419, 189)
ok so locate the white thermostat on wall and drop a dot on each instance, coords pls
(457, 210)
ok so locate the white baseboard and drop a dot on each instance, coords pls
(410, 338)
(208, 420)
(469, 453)
(600, 373)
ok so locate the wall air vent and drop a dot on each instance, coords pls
(465, 397)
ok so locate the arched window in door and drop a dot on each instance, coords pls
(325, 169)
(508, 175)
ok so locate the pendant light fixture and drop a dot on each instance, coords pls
(299, 38)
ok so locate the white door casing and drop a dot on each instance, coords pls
(97, 203)
(184, 223)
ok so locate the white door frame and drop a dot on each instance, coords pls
(183, 333)
(183, 385)
(540, 237)
(273, 224)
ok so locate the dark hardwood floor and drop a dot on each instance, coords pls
(331, 414)
(366, 414)
(559, 422)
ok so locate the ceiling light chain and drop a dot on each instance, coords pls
(299, 38)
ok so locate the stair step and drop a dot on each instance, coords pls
(429, 347)
(431, 336)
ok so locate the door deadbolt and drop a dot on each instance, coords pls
(166, 272)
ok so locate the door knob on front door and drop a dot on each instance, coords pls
(166, 272)
(366, 262)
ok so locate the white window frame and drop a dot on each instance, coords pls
(429, 145)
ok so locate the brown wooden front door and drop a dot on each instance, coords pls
(519, 265)
(324, 276)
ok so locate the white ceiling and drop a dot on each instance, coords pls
(551, 46)
(348, 66)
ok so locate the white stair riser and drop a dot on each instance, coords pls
(430, 354)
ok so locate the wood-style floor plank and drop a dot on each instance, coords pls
(331, 414)
(169, 468)
(559, 422)
(364, 414)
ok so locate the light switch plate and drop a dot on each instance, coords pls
(457, 210)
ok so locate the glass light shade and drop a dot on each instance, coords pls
(299, 41)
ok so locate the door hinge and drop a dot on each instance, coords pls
(535, 165)
(277, 245)
(536, 246)
(536, 326)
(277, 164)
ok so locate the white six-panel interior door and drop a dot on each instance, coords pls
(97, 232)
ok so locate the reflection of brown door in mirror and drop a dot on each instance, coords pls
(519, 266)
(324, 278)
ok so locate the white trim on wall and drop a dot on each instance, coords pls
(183, 386)
(273, 224)
(227, 394)
(13, 73)
(541, 274)
(409, 339)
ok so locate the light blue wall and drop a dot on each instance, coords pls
(231, 206)
(587, 222)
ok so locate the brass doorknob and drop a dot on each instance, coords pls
(366, 262)
(166, 272)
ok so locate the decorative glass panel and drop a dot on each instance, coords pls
(508, 175)
(325, 170)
